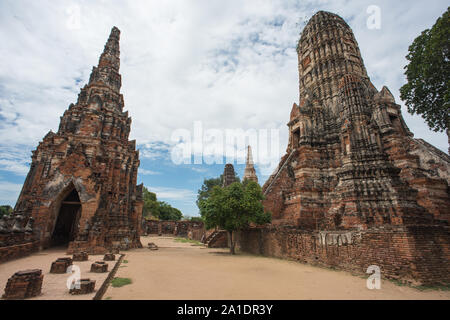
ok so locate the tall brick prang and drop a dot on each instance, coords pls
(355, 188)
(81, 189)
(351, 160)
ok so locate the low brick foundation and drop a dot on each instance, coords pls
(87, 286)
(99, 267)
(186, 229)
(109, 257)
(60, 265)
(18, 251)
(80, 256)
(24, 284)
(417, 255)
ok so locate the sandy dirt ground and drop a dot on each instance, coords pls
(181, 271)
(54, 286)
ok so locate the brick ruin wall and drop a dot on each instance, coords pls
(17, 238)
(19, 250)
(186, 229)
(416, 255)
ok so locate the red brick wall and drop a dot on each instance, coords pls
(419, 255)
(18, 251)
(188, 229)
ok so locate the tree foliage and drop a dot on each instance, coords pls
(159, 209)
(427, 91)
(5, 210)
(234, 208)
(207, 187)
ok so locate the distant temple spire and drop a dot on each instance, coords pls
(250, 172)
(229, 176)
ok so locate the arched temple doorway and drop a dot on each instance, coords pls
(66, 227)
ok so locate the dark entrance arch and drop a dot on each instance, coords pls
(66, 227)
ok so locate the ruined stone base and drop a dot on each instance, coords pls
(15, 251)
(415, 254)
(99, 267)
(24, 284)
(60, 266)
(81, 256)
(85, 246)
(90, 248)
(87, 286)
(109, 257)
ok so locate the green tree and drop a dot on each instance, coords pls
(168, 213)
(158, 209)
(427, 91)
(207, 187)
(5, 210)
(151, 205)
(196, 219)
(234, 208)
(206, 190)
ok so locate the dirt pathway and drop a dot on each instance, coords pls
(180, 271)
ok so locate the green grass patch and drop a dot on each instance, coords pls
(125, 261)
(185, 240)
(108, 298)
(120, 282)
(433, 288)
(418, 287)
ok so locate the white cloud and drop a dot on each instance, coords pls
(229, 64)
(9, 192)
(15, 167)
(148, 172)
(174, 194)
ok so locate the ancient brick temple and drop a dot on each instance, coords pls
(81, 189)
(355, 188)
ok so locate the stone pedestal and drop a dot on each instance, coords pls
(60, 266)
(99, 267)
(24, 284)
(81, 256)
(109, 257)
(86, 286)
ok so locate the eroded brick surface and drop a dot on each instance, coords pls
(353, 169)
(90, 167)
(23, 285)
(189, 229)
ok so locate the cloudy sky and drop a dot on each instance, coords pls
(225, 64)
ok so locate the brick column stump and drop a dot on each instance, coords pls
(60, 266)
(99, 267)
(24, 284)
(86, 286)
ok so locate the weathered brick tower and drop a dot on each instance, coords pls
(353, 174)
(351, 160)
(229, 175)
(81, 189)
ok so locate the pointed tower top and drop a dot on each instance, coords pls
(107, 71)
(249, 156)
(250, 172)
(111, 54)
